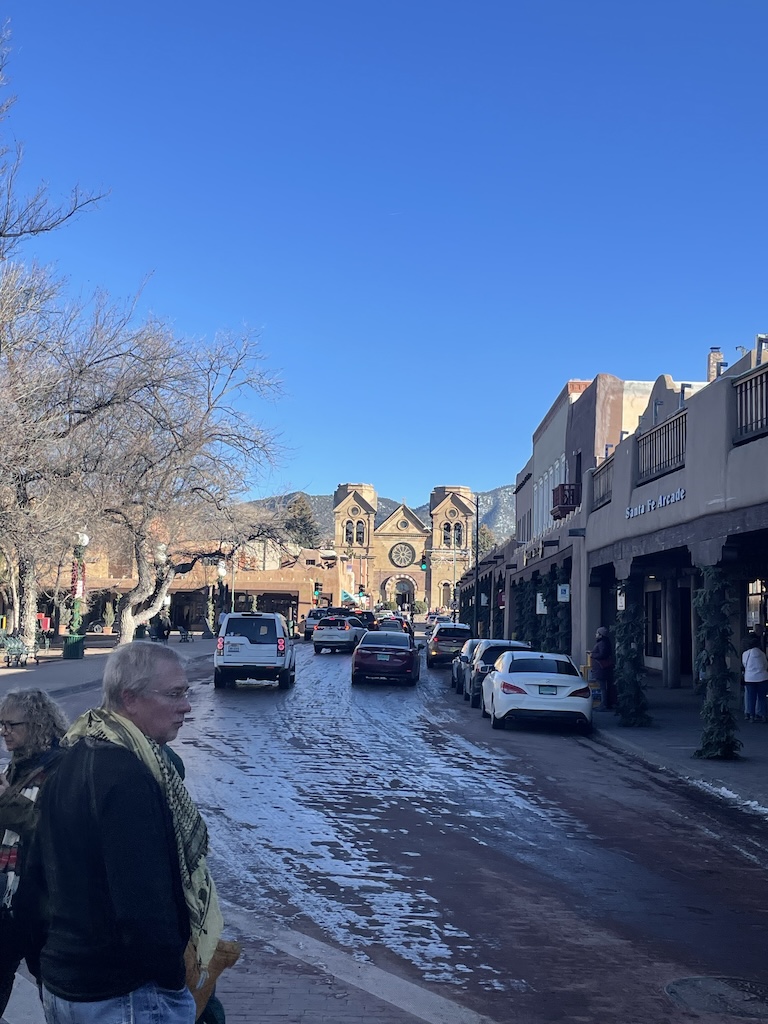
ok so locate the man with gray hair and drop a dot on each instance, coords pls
(120, 857)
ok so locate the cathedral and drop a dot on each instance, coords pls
(400, 558)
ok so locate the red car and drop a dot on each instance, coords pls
(388, 656)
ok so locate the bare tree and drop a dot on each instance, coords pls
(175, 461)
(24, 216)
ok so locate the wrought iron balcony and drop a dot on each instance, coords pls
(565, 498)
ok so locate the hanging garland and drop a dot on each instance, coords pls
(629, 635)
(549, 629)
(563, 615)
(527, 626)
(714, 604)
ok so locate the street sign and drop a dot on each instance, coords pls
(541, 605)
(564, 593)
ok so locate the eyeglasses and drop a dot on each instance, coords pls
(7, 726)
(174, 695)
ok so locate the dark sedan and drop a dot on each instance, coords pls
(387, 656)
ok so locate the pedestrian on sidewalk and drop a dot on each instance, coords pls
(120, 857)
(755, 678)
(602, 668)
(32, 726)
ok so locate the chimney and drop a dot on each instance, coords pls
(714, 358)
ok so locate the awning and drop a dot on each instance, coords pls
(345, 596)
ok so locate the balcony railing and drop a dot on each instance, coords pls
(602, 483)
(662, 449)
(752, 405)
(565, 498)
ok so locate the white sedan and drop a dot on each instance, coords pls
(535, 685)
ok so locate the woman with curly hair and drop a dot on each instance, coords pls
(31, 725)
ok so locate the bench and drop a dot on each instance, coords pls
(185, 637)
(16, 652)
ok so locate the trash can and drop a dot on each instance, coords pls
(74, 646)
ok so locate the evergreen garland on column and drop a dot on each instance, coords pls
(527, 626)
(563, 615)
(550, 623)
(714, 605)
(629, 636)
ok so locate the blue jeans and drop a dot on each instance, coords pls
(149, 1004)
(754, 699)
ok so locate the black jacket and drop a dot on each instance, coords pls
(112, 916)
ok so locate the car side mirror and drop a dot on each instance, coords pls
(421, 645)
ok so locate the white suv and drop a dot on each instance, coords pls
(337, 633)
(254, 645)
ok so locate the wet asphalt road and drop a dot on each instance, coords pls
(529, 874)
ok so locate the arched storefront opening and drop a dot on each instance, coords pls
(445, 595)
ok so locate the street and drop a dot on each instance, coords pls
(529, 874)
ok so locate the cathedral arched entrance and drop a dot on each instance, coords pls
(400, 589)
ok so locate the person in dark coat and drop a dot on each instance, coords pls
(119, 857)
(31, 725)
(602, 667)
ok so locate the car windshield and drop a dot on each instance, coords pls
(450, 633)
(258, 631)
(544, 666)
(385, 640)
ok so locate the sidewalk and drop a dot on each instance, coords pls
(675, 734)
(60, 676)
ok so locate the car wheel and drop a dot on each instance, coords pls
(587, 728)
(97, 628)
(483, 712)
(284, 679)
(220, 678)
(356, 678)
(464, 694)
(317, 649)
(496, 723)
(474, 700)
(430, 661)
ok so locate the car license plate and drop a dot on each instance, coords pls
(548, 691)
(382, 657)
(233, 648)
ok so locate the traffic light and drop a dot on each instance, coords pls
(318, 588)
(361, 590)
(424, 562)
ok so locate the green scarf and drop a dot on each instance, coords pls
(189, 829)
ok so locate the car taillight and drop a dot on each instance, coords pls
(511, 688)
(280, 645)
(583, 692)
(220, 644)
(316, 627)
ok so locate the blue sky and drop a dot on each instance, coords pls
(434, 213)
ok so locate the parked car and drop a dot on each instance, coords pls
(461, 663)
(446, 641)
(254, 645)
(535, 685)
(313, 617)
(387, 655)
(483, 657)
(337, 633)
